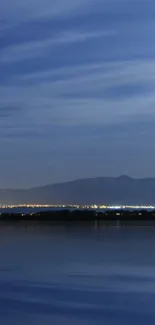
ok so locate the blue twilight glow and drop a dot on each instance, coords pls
(77, 90)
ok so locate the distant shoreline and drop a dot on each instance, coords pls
(116, 217)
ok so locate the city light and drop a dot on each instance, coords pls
(75, 206)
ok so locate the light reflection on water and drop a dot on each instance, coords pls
(68, 275)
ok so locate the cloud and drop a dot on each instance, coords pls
(9, 111)
(107, 92)
(75, 77)
(33, 49)
(18, 12)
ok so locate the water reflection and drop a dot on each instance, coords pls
(77, 275)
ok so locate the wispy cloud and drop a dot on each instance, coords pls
(8, 111)
(33, 9)
(38, 48)
(86, 93)
(72, 75)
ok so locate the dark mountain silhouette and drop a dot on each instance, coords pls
(101, 190)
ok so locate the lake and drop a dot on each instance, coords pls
(77, 275)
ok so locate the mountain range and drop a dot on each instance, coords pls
(101, 190)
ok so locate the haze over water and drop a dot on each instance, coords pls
(69, 275)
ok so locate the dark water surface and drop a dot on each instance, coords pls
(63, 275)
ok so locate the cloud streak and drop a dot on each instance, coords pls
(67, 69)
(33, 49)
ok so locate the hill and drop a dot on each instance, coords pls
(101, 190)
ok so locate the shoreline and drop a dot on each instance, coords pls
(115, 217)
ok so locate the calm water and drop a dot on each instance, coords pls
(27, 210)
(72, 276)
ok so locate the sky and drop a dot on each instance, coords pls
(77, 90)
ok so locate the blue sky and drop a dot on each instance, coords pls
(77, 90)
